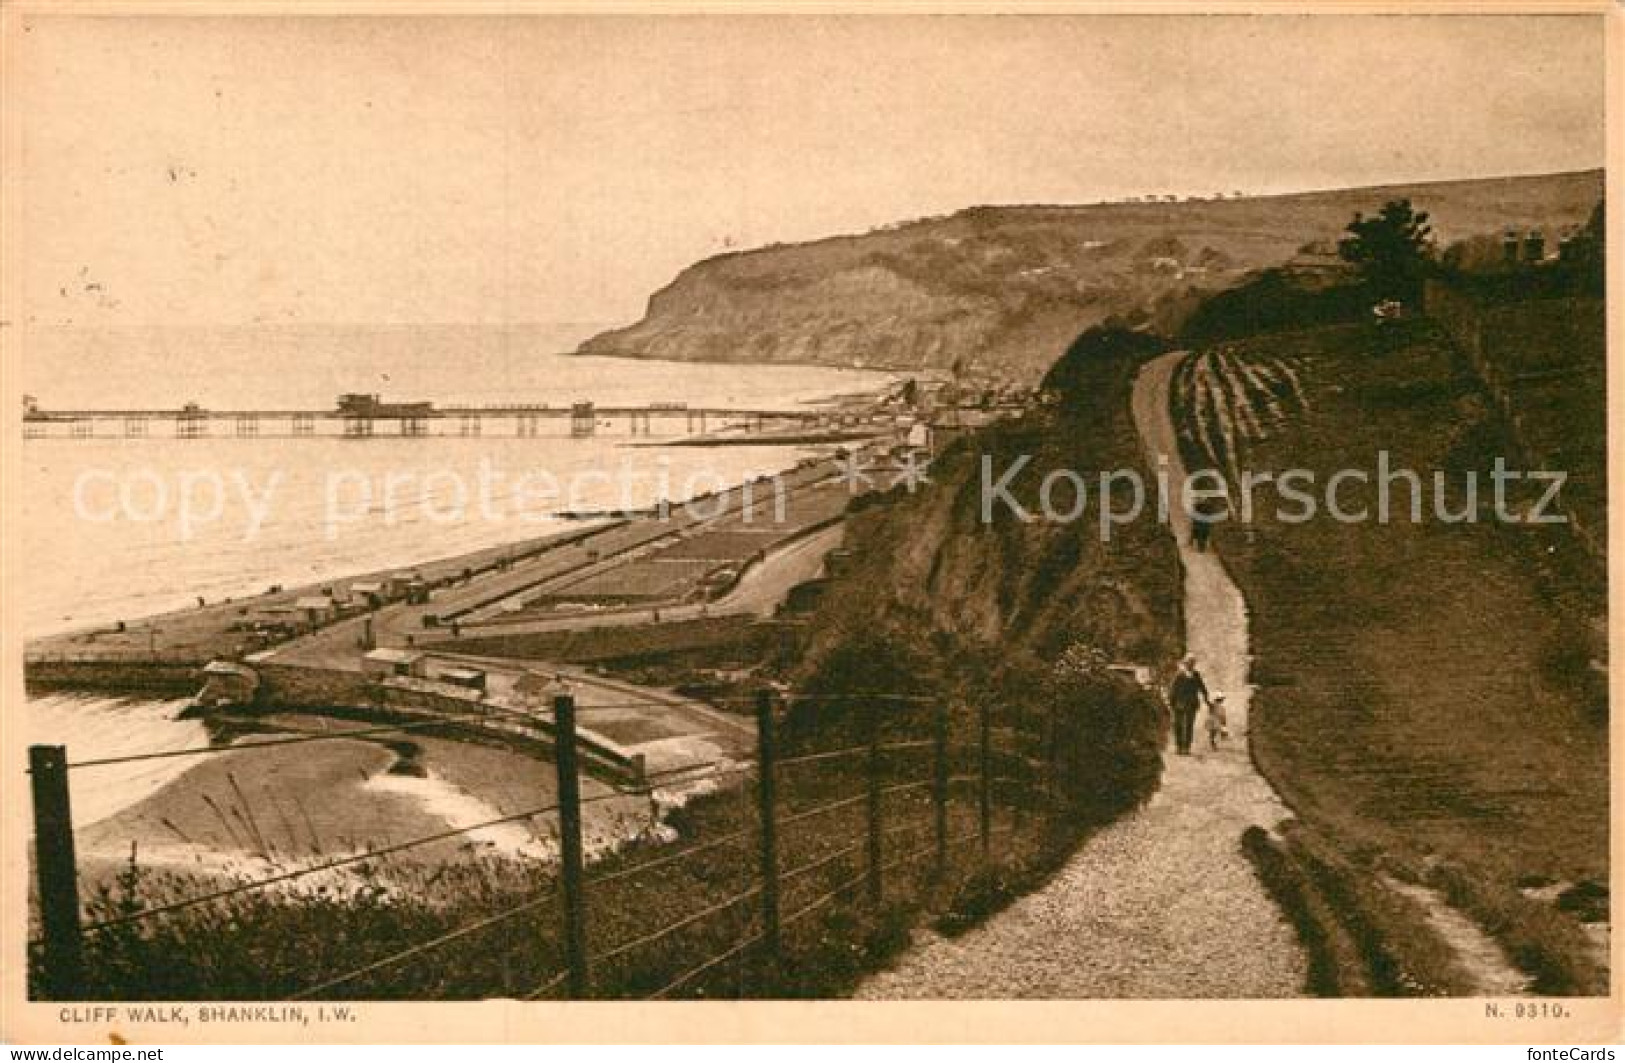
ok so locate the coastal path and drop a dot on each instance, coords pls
(1162, 903)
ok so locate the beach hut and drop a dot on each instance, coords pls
(408, 586)
(370, 592)
(388, 662)
(227, 683)
(315, 609)
(278, 619)
(538, 689)
(469, 678)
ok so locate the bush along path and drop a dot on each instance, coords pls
(1164, 903)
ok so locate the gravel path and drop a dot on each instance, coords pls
(1162, 904)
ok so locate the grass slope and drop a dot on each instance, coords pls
(1418, 702)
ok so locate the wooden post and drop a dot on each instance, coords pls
(985, 784)
(876, 853)
(766, 812)
(1052, 749)
(939, 788)
(575, 901)
(56, 872)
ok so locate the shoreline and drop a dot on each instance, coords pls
(244, 813)
(635, 356)
(193, 636)
(238, 814)
(568, 524)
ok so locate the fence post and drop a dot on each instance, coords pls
(876, 890)
(767, 810)
(939, 787)
(984, 791)
(1052, 750)
(56, 872)
(575, 901)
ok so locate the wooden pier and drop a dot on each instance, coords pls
(366, 417)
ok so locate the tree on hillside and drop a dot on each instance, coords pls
(864, 658)
(1076, 375)
(1392, 249)
(1588, 252)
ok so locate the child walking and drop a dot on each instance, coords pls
(1218, 723)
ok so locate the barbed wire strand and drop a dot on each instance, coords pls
(538, 718)
(348, 861)
(548, 986)
(686, 921)
(424, 947)
(670, 858)
(694, 973)
(244, 747)
(844, 851)
(332, 865)
(851, 751)
(797, 817)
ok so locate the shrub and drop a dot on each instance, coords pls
(1076, 377)
(1107, 735)
(1272, 302)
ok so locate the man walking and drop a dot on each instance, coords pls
(1185, 694)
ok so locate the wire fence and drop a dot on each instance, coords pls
(865, 824)
(1471, 327)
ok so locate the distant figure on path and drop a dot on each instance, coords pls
(1185, 694)
(1201, 528)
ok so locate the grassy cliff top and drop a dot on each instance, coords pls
(1001, 289)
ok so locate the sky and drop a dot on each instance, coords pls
(394, 171)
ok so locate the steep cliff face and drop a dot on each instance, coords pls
(953, 566)
(1002, 289)
(951, 598)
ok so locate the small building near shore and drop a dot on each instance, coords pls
(469, 678)
(371, 593)
(388, 662)
(537, 690)
(227, 683)
(406, 586)
(315, 609)
(279, 619)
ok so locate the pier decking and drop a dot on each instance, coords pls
(367, 417)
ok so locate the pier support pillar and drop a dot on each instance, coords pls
(583, 419)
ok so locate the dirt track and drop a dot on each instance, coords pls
(1162, 903)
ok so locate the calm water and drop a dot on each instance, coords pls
(118, 529)
(296, 510)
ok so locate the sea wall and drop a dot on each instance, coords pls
(292, 686)
(167, 679)
(285, 687)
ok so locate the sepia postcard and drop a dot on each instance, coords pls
(807, 523)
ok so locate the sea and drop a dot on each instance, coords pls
(118, 529)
